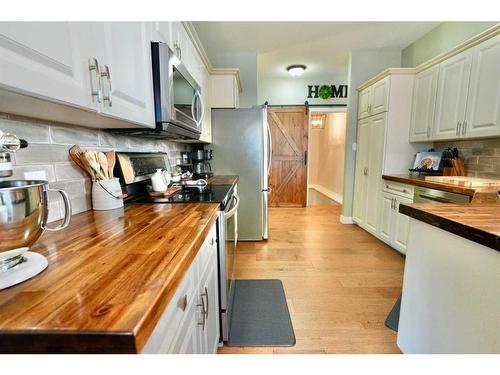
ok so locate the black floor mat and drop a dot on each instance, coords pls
(260, 315)
(392, 320)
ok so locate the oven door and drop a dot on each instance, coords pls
(228, 238)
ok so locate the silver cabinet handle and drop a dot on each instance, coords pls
(95, 89)
(365, 171)
(428, 132)
(392, 203)
(206, 296)
(388, 187)
(108, 97)
(464, 128)
(203, 313)
(458, 128)
(178, 50)
(183, 303)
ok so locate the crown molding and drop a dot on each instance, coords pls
(198, 45)
(385, 73)
(469, 43)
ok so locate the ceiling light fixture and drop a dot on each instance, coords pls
(296, 70)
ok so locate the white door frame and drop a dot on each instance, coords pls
(309, 127)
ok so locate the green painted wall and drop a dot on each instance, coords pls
(440, 39)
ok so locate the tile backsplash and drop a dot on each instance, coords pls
(481, 156)
(48, 148)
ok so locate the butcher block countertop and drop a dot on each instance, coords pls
(111, 275)
(223, 180)
(421, 181)
(476, 222)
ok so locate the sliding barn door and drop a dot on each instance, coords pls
(288, 175)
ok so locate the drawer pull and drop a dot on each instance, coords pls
(388, 187)
(212, 241)
(183, 303)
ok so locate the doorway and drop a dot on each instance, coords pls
(288, 174)
(327, 129)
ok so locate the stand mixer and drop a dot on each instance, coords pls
(23, 218)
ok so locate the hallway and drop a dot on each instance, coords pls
(340, 281)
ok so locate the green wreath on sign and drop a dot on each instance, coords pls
(325, 92)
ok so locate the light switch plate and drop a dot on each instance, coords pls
(35, 175)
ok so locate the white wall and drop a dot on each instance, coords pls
(326, 160)
(363, 65)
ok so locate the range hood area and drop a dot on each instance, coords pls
(163, 130)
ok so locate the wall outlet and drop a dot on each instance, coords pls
(35, 175)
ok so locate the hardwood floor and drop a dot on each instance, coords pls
(340, 281)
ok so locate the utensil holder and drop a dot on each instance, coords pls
(107, 194)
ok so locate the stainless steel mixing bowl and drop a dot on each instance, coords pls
(24, 212)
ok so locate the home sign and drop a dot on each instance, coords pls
(327, 91)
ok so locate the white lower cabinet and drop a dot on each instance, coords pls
(393, 226)
(190, 323)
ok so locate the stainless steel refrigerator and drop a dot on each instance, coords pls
(242, 146)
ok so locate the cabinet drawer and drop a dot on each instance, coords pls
(397, 188)
(208, 250)
(162, 336)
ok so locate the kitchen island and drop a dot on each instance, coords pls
(111, 275)
(451, 299)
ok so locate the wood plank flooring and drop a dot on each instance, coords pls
(340, 281)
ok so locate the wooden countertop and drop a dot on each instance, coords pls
(111, 275)
(223, 180)
(476, 222)
(421, 181)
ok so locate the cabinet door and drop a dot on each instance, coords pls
(45, 60)
(379, 97)
(386, 217)
(423, 104)
(127, 54)
(209, 290)
(364, 98)
(375, 159)
(362, 153)
(188, 340)
(401, 226)
(223, 91)
(453, 84)
(483, 105)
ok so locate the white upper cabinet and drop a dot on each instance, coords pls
(161, 32)
(45, 60)
(225, 90)
(453, 84)
(364, 102)
(423, 104)
(373, 99)
(483, 107)
(125, 71)
(380, 94)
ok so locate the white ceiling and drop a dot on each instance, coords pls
(322, 46)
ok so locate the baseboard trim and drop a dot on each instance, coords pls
(329, 193)
(346, 219)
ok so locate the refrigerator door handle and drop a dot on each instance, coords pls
(270, 148)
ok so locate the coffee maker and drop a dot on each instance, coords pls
(201, 164)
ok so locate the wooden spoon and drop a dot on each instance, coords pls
(103, 162)
(111, 156)
(76, 154)
(94, 165)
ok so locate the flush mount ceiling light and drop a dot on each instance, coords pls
(296, 70)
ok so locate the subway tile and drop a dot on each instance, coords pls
(69, 171)
(70, 135)
(81, 204)
(74, 188)
(482, 151)
(55, 211)
(42, 154)
(31, 132)
(117, 141)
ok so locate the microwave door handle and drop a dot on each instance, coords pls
(202, 108)
(193, 101)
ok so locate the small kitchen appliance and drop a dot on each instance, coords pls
(23, 219)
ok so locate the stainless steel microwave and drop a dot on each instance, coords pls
(177, 96)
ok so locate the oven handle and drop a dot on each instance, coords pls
(434, 199)
(233, 210)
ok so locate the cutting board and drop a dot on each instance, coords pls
(471, 182)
